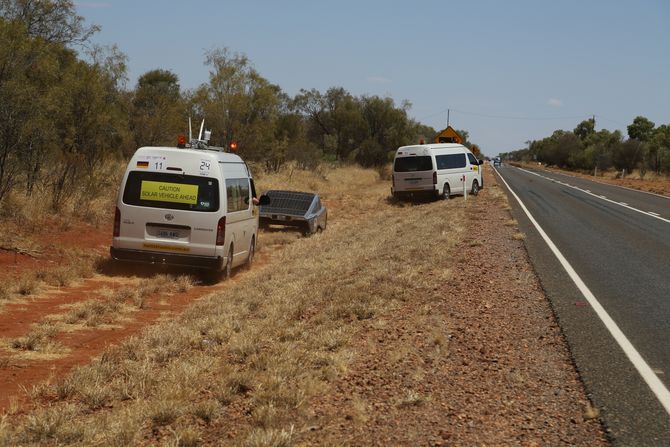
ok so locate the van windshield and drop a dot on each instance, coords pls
(171, 191)
(413, 164)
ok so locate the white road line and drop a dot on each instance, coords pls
(651, 379)
(609, 184)
(647, 213)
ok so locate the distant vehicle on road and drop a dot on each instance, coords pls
(438, 170)
(303, 210)
(497, 161)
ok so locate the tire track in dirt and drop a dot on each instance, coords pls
(19, 375)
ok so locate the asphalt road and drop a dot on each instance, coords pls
(618, 242)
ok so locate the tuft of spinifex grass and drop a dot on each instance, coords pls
(38, 339)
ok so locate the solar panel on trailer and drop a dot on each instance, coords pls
(288, 202)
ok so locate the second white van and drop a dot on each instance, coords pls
(186, 206)
(440, 170)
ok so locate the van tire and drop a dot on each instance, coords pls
(228, 269)
(446, 192)
(475, 188)
(252, 253)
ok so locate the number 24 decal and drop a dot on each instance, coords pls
(204, 165)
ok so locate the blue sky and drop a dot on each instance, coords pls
(510, 71)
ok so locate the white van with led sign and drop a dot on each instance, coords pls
(192, 205)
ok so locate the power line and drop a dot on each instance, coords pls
(516, 117)
(510, 117)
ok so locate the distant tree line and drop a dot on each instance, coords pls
(646, 149)
(65, 108)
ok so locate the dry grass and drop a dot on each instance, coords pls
(249, 359)
(518, 236)
(411, 399)
(590, 412)
(90, 202)
(75, 266)
(39, 340)
(27, 285)
(111, 307)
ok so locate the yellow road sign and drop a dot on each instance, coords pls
(448, 135)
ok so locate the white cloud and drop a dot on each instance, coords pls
(553, 102)
(379, 80)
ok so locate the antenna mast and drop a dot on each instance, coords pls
(202, 126)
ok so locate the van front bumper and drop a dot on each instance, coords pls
(154, 257)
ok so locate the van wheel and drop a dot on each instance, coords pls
(252, 253)
(228, 271)
(475, 188)
(446, 193)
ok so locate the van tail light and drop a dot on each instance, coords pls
(117, 223)
(434, 177)
(221, 231)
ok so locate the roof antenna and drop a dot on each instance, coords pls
(190, 132)
(202, 126)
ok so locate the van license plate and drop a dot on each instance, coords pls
(168, 234)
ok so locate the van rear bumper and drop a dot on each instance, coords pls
(154, 257)
(425, 193)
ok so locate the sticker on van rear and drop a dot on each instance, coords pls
(165, 247)
(169, 192)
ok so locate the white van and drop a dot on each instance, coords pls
(440, 170)
(186, 206)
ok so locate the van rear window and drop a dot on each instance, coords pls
(171, 191)
(413, 164)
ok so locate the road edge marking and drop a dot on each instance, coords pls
(608, 184)
(647, 213)
(645, 371)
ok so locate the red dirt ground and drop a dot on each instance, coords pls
(18, 375)
(81, 236)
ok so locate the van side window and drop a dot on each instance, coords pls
(473, 160)
(237, 193)
(450, 161)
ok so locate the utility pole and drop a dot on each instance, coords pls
(594, 122)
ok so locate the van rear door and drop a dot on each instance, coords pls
(170, 212)
(413, 173)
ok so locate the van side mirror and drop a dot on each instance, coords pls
(264, 200)
(481, 162)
